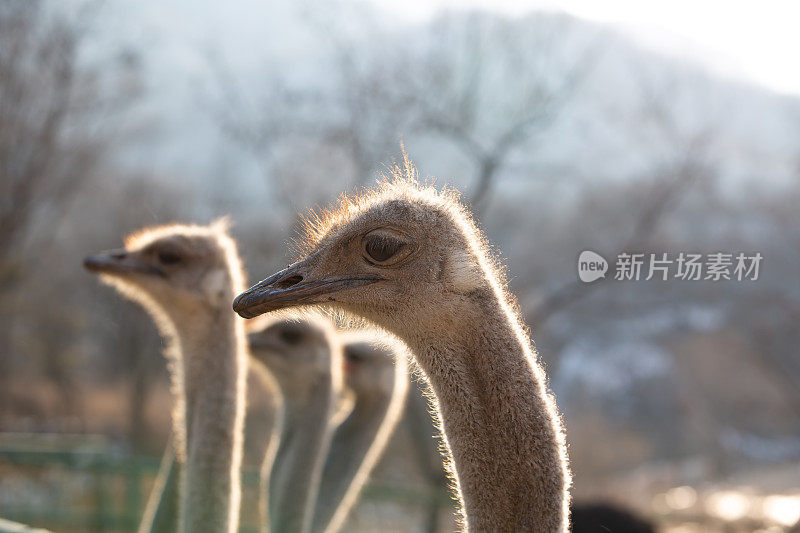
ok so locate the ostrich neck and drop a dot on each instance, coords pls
(294, 483)
(499, 423)
(349, 449)
(214, 365)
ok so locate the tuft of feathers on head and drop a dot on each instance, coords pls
(396, 181)
(142, 237)
(222, 225)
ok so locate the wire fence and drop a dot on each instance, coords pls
(79, 483)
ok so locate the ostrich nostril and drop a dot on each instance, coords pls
(289, 282)
(119, 255)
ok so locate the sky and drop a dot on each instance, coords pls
(755, 41)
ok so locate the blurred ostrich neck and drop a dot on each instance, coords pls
(214, 371)
(495, 417)
(350, 443)
(210, 355)
(367, 414)
(294, 483)
(359, 429)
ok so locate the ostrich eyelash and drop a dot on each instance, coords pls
(380, 249)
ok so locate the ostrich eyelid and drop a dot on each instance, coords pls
(405, 247)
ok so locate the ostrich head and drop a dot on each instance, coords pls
(369, 367)
(179, 270)
(298, 351)
(401, 256)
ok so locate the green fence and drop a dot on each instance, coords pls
(106, 491)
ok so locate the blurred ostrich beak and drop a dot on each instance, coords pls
(119, 261)
(294, 286)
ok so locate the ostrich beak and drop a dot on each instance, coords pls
(293, 286)
(119, 261)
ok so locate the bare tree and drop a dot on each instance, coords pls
(489, 84)
(49, 105)
(53, 134)
(258, 125)
(684, 159)
(372, 110)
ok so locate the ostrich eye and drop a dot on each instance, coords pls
(353, 357)
(166, 257)
(290, 336)
(380, 248)
(386, 247)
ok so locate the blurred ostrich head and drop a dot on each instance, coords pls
(182, 269)
(369, 363)
(300, 352)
